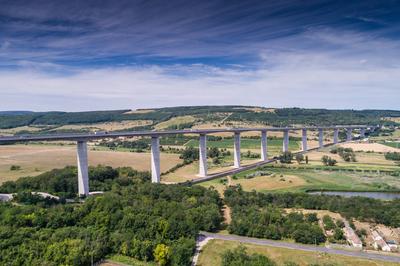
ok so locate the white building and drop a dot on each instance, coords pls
(351, 237)
(379, 242)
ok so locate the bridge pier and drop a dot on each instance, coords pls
(155, 159)
(304, 139)
(321, 138)
(362, 133)
(264, 146)
(285, 144)
(348, 134)
(203, 155)
(236, 152)
(83, 175)
(335, 135)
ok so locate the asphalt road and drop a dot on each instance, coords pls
(280, 244)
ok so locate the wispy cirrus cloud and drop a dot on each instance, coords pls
(89, 55)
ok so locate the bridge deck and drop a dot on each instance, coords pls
(102, 135)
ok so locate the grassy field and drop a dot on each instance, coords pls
(106, 126)
(36, 159)
(175, 121)
(392, 144)
(300, 180)
(211, 255)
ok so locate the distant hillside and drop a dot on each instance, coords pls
(267, 116)
(15, 112)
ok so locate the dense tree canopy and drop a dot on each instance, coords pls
(361, 208)
(136, 218)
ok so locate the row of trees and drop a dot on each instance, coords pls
(394, 156)
(63, 182)
(269, 221)
(287, 157)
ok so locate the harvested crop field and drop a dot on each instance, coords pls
(375, 147)
(36, 159)
(107, 126)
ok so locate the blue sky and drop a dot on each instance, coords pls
(92, 55)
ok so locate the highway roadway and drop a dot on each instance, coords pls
(310, 248)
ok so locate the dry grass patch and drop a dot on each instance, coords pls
(12, 131)
(363, 158)
(107, 126)
(375, 147)
(258, 109)
(270, 182)
(185, 173)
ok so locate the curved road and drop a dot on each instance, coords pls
(280, 244)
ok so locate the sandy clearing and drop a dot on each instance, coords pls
(36, 159)
(139, 111)
(320, 213)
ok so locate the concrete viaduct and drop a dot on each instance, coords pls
(82, 139)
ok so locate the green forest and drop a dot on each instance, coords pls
(153, 222)
(361, 208)
(149, 222)
(281, 117)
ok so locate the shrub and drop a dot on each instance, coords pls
(286, 157)
(15, 168)
(394, 156)
(299, 158)
(239, 257)
(328, 161)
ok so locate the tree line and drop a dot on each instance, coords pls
(360, 208)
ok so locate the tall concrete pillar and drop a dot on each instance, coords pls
(335, 135)
(264, 146)
(362, 133)
(83, 176)
(285, 144)
(321, 137)
(304, 139)
(348, 134)
(236, 152)
(155, 159)
(203, 155)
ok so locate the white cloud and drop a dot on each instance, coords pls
(315, 69)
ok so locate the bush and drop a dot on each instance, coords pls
(347, 154)
(309, 234)
(299, 158)
(328, 222)
(190, 154)
(328, 161)
(239, 257)
(15, 168)
(286, 157)
(394, 156)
